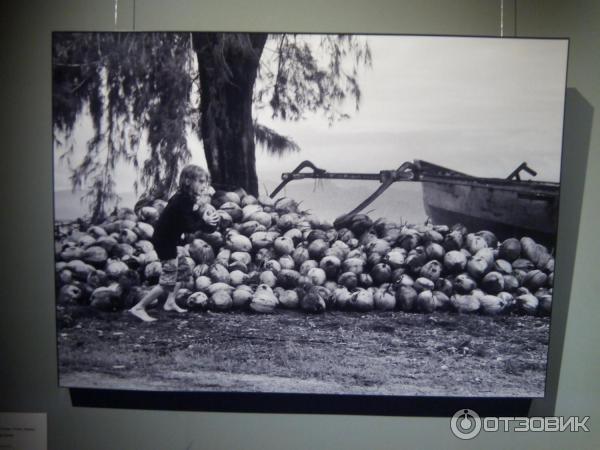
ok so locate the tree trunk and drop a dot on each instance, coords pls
(227, 66)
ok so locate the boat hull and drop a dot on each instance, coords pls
(509, 211)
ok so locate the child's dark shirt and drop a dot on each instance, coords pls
(177, 218)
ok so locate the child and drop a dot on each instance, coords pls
(188, 210)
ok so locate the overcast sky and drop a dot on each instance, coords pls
(477, 105)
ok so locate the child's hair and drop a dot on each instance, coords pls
(189, 174)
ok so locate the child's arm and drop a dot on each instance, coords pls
(193, 221)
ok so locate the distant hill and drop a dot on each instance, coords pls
(328, 200)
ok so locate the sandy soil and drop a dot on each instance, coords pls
(391, 353)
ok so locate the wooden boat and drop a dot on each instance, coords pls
(509, 207)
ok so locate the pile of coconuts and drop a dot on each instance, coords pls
(268, 254)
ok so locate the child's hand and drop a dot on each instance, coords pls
(210, 216)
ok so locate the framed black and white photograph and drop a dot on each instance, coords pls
(321, 214)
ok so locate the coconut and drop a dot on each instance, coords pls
(317, 276)
(200, 270)
(308, 265)
(331, 265)
(432, 270)
(70, 293)
(492, 305)
(289, 299)
(144, 230)
(342, 297)
(283, 246)
(433, 236)
(464, 284)
(527, 303)
(384, 300)
(295, 235)
(71, 253)
(455, 261)
(406, 296)
(202, 283)
(408, 239)
(365, 280)
(317, 249)
(243, 257)
(396, 258)
(510, 249)
(493, 283)
(380, 246)
(249, 228)
(434, 251)
(523, 264)
(237, 278)
(144, 246)
(381, 273)
(312, 301)
(201, 252)
(128, 236)
(80, 270)
(355, 265)
(268, 278)
(108, 243)
(242, 296)
(148, 214)
(503, 266)
(238, 243)
(405, 280)
(249, 210)
(219, 273)
(65, 276)
(198, 301)
(262, 239)
(152, 271)
(85, 240)
(474, 243)
(233, 210)
(349, 280)
(373, 259)
(477, 267)
(416, 259)
(261, 217)
(121, 250)
(288, 278)
(425, 302)
(214, 239)
(115, 268)
(95, 256)
(215, 287)
(222, 197)
(423, 284)
(453, 241)
(545, 304)
(535, 279)
(465, 303)
(220, 301)
(442, 300)
(285, 205)
(106, 298)
(361, 300)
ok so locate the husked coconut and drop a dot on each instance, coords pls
(442, 301)
(455, 261)
(220, 301)
(465, 303)
(424, 284)
(426, 302)
(289, 299)
(198, 301)
(384, 299)
(527, 303)
(492, 305)
(362, 300)
(381, 273)
(268, 278)
(331, 265)
(312, 301)
(342, 297)
(286, 262)
(242, 296)
(349, 280)
(493, 283)
(201, 252)
(406, 297)
(431, 270)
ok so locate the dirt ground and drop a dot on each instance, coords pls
(378, 353)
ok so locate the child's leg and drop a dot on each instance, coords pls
(170, 304)
(139, 310)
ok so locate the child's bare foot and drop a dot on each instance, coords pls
(170, 305)
(141, 314)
